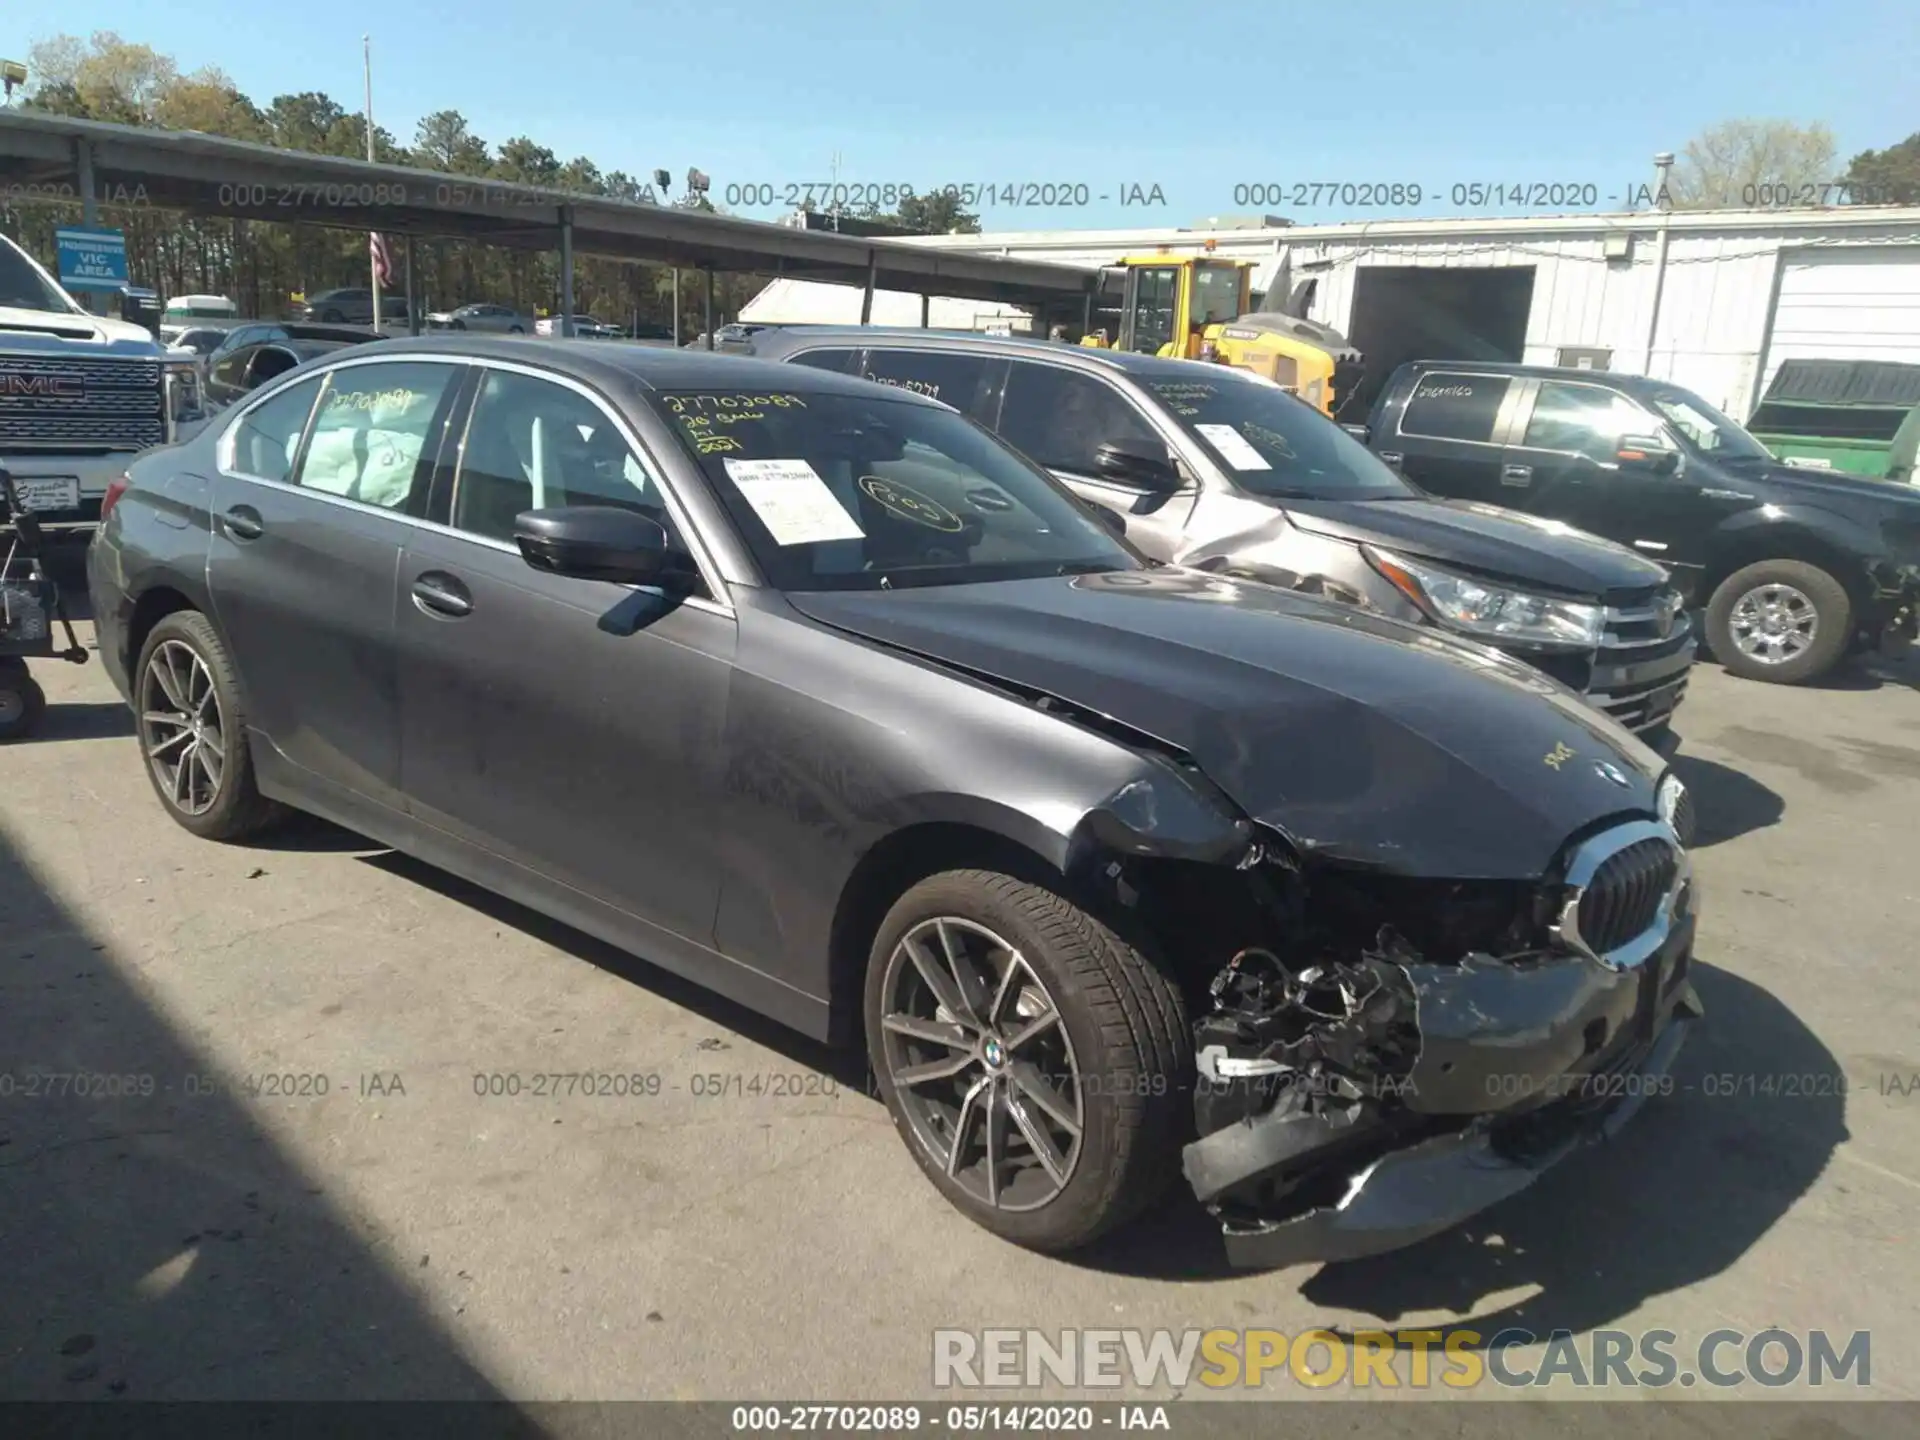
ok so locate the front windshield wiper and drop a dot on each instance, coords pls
(1090, 567)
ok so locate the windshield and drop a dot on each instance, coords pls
(1216, 294)
(22, 287)
(1275, 445)
(846, 492)
(1706, 429)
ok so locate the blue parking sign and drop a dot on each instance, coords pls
(92, 257)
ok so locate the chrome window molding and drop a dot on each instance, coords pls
(1586, 861)
(223, 460)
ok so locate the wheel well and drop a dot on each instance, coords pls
(886, 872)
(1803, 545)
(148, 611)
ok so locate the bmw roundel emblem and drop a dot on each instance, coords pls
(1606, 770)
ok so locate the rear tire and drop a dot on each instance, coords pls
(1050, 997)
(23, 704)
(1782, 621)
(190, 718)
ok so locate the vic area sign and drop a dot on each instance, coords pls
(92, 257)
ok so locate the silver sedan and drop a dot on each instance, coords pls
(501, 319)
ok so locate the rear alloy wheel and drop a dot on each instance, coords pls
(1780, 620)
(192, 729)
(1034, 1063)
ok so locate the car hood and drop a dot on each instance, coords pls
(21, 328)
(1364, 740)
(1486, 538)
(1804, 482)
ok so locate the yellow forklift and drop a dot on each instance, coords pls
(1200, 307)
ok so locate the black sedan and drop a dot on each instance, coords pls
(814, 691)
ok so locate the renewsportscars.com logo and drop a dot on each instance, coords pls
(1460, 1359)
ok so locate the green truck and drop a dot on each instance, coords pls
(1860, 416)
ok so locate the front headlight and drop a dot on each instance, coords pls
(1486, 610)
(183, 391)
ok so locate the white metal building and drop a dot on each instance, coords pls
(1711, 300)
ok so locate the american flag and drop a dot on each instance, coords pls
(382, 257)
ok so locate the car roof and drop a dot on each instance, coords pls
(614, 362)
(1538, 372)
(785, 339)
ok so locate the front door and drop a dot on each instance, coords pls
(303, 556)
(1570, 449)
(570, 727)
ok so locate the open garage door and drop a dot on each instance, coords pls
(1853, 304)
(1430, 312)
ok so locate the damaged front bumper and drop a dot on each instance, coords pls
(1520, 1063)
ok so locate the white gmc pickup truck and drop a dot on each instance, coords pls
(80, 395)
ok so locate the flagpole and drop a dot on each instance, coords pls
(373, 259)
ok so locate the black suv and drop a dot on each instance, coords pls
(1796, 568)
(1219, 470)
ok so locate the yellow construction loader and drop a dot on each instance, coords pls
(1199, 307)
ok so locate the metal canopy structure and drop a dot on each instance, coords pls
(95, 163)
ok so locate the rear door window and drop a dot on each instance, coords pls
(1452, 406)
(374, 431)
(952, 377)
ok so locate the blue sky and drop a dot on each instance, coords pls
(1197, 99)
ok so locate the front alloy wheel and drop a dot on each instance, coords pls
(1772, 624)
(1037, 1065)
(985, 1072)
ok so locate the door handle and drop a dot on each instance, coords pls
(1516, 474)
(243, 523)
(439, 593)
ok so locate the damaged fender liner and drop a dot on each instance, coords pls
(1517, 1068)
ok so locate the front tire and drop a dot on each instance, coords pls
(1036, 1065)
(191, 720)
(1783, 621)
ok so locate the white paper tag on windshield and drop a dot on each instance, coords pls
(793, 502)
(1232, 444)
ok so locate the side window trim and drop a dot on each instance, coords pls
(1400, 421)
(224, 458)
(717, 594)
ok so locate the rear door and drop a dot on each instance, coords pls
(1060, 416)
(1446, 435)
(308, 507)
(570, 727)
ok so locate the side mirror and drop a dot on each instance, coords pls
(1648, 454)
(1145, 463)
(599, 542)
(1362, 433)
